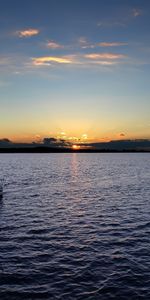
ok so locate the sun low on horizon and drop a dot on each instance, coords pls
(76, 147)
(74, 70)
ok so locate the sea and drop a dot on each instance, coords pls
(75, 226)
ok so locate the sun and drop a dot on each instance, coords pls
(76, 147)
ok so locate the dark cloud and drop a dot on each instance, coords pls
(49, 141)
(5, 142)
(53, 142)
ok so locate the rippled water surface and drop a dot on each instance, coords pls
(75, 226)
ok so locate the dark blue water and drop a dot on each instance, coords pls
(75, 226)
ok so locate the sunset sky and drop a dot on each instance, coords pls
(74, 69)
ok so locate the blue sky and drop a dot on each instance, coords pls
(74, 69)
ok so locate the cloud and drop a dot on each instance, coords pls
(122, 21)
(54, 142)
(136, 12)
(27, 32)
(111, 44)
(37, 136)
(110, 56)
(46, 60)
(103, 59)
(82, 41)
(84, 44)
(48, 141)
(122, 134)
(5, 142)
(105, 62)
(54, 45)
(111, 24)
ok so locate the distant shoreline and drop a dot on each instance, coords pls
(67, 150)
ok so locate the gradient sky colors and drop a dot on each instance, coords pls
(74, 69)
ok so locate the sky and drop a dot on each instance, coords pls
(74, 69)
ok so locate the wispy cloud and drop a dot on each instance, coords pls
(82, 41)
(103, 62)
(104, 56)
(103, 59)
(111, 23)
(84, 44)
(27, 32)
(111, 44)
(19, 65)
(47, 60)
(136, 12)
(122, 21)
(54, 45)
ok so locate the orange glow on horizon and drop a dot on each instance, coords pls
(74, 138)
(76, 147)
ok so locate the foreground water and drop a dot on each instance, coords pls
(75, 226)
